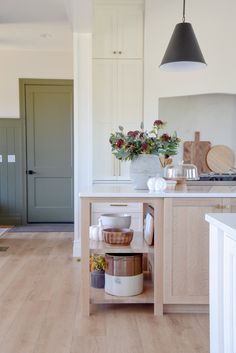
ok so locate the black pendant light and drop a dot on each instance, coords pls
(183, 52)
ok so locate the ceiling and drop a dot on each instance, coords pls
(34, 25)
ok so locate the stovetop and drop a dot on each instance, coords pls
(217, 177)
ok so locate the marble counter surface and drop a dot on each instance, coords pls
(123, 190)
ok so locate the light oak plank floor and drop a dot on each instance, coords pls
(39, 311)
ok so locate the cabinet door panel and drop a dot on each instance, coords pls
(104, 90)
(186, 250)
(104, 83)
(130, 32)
(129, 93)
(129, 100)
(103, 160)
(105, 33)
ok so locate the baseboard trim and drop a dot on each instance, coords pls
(76, 248)
(186, 308)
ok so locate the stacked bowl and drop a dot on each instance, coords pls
(116, 229)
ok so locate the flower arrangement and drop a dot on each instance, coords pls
(127, 146)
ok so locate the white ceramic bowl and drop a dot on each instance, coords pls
(116, 220)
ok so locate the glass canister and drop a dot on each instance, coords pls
(181, 171)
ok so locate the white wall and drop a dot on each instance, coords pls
(215, 27)
(214, 115)
(28, 64)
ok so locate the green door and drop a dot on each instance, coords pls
(49, 139)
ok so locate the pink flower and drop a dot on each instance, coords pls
(144, 146)
(119, 143)
(165, 137)
(158, 123)
(141, 135)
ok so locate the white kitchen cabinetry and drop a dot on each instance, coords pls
(135, 210)
(118, 31)
(117, 81)
(117, 100)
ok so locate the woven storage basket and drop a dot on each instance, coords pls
(117, 236)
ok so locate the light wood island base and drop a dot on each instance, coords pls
(150, 295)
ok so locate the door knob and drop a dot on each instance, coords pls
(31, 172)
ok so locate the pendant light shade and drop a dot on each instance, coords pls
(183, 52)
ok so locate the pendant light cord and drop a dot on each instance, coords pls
(183, 11)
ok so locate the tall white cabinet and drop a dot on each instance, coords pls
(117, 80)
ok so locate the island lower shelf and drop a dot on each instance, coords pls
(137, 245)
(99, 296)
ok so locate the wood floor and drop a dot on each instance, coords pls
(39, 313)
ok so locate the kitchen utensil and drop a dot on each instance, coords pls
(148, 233)
(195, 152)
(220, 159)
(116, 220)
(181, 171)
(117, 236)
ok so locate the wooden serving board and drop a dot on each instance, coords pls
(195, 152)
(220, 159)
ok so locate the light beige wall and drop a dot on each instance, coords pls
(215, 27)
(214, 115)
(28, 64)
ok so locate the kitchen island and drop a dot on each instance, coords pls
(180, 244)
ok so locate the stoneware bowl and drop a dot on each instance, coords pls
(116, 220)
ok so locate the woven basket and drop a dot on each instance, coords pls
(117, 236)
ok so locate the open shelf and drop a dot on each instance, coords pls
(138, 245)
(99, 296)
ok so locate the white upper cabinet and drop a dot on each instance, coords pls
(117, 80)
(117, 100)
(118, 31)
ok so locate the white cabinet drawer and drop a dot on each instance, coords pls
(117, 207)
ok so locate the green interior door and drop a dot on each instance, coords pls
(49, 138)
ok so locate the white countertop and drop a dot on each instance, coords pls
(119, 190)
(225, 221)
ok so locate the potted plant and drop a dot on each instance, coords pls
(97, 269)
(148, 151)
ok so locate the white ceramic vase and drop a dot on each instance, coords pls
(142, 168)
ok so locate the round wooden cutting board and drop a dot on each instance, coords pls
(220, 159)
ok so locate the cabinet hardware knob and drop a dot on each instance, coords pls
(120, 52)
(31, 172)
(218, 206)
(114, 52)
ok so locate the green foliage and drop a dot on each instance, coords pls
(97, 263)
(127, 146)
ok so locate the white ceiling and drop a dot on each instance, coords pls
(34, 25)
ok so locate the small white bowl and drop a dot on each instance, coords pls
(116, 220)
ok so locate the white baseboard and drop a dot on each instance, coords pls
(76, 248)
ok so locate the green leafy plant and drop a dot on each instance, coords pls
(127, 146)
(97, 263)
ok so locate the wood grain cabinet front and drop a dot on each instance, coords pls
(186, 249)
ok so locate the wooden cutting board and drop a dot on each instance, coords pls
(195, 152)
(220, 159)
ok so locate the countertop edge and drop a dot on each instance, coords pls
(226, 222)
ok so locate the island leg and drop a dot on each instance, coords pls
(158, 256)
